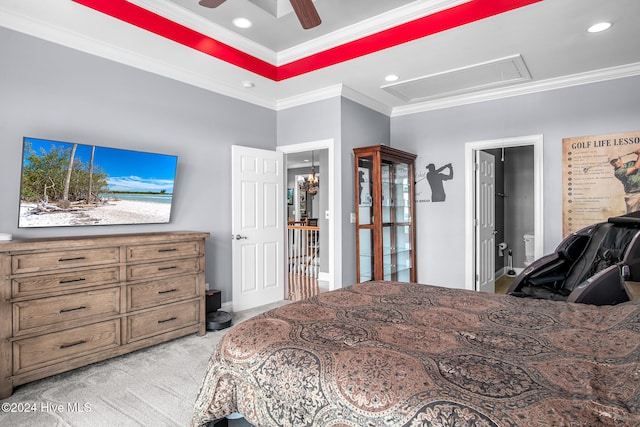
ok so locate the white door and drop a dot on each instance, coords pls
(257, 227)
(485, 222)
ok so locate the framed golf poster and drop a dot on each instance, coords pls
(600, 178)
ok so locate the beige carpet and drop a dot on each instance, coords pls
(156, 386)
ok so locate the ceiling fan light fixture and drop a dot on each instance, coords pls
(599, 27)
(211, 3)
(306, 12)
(391, 77)
(242, 22)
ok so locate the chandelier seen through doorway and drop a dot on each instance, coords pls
(311, 183)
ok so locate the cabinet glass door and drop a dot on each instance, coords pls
(402, 207)
(367, 266)
(396, 213)
(365, 190)
(387, 191)
(365, 219)
(397, 253)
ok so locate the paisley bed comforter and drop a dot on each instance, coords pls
(397, 354)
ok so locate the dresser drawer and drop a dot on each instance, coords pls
(163, 319)
(41, 313)
(161, 291)
(36, 285)
(163, 251)
(44, 261)
(163, 269)
(46, 350)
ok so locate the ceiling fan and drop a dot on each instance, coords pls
(304, 9)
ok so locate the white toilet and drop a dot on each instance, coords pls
(529, 249)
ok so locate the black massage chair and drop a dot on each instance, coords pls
(589, 266)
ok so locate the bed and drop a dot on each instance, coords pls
(398, 354)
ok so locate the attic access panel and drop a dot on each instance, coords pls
(474, 78)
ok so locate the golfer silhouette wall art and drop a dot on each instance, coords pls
(435, 177)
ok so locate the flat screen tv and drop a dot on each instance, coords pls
(68, 184)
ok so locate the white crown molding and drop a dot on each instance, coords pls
(401, 15)
(366, 101)
(308, 97)
(622, 71)
(332, 92)
(66, 37)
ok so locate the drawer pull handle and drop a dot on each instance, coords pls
(167, 250)
(67, 310)
(167, 291)
(167, 268)
(167, 320)
(78, 258)
(73, 344)
(64, 282)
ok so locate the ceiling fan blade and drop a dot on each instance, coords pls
(306, 12)
(211, 3)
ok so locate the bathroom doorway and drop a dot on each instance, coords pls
(514, 212)
(518, 206)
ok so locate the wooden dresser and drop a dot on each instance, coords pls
(68, 302)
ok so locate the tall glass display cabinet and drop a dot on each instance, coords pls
(385, 214)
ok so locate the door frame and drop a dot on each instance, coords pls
(470, 196)
(332, 177)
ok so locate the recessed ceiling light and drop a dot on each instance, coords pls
(600, 26)
(242, 23)
(247, 84)
(391, 78)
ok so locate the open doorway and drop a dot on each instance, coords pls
(510, 199)
(307, 223)
(326, 211)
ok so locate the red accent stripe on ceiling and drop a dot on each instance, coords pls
(463, 14)
(142, 18)
(447, 19)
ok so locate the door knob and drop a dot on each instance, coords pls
(238, 237)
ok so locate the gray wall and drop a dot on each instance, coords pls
(350, 125)
(440, 136)
(519, 214)
(50, 91)
(361, 127)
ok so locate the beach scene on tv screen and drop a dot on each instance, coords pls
(68, 184)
